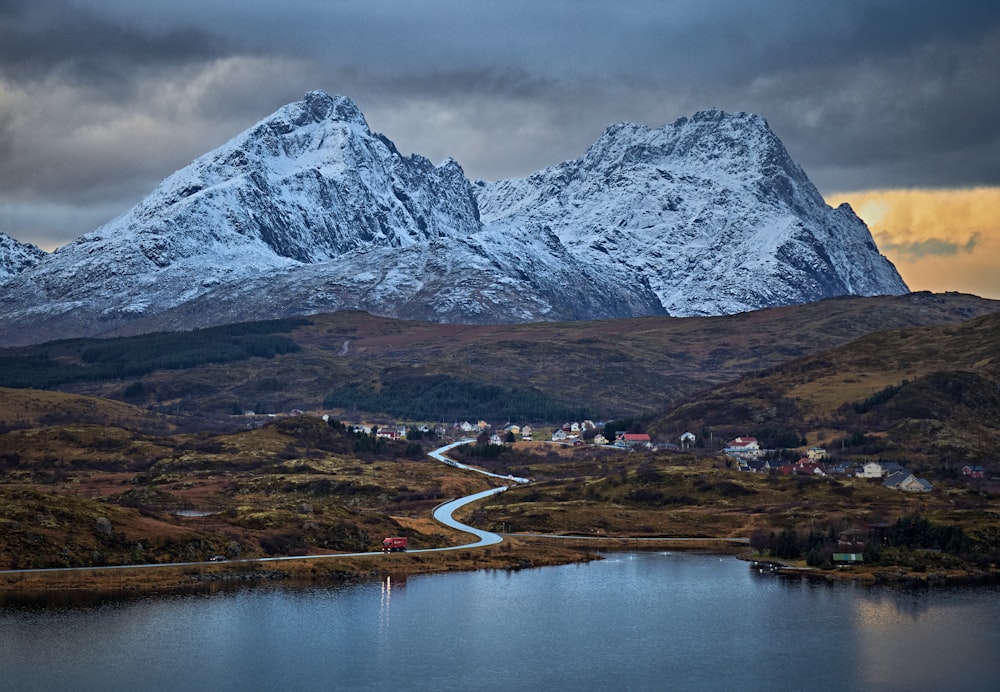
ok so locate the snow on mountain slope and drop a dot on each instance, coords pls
(309, 211)
(16, 256)
(305, 185)
(710, 210)
(494, 276)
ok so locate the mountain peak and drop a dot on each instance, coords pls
(710, 209)
(315, 108)
(711, 115)
(707, 136)
(326, 107)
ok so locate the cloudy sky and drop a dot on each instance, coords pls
(891, 105)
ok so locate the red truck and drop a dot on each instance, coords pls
(395, 544)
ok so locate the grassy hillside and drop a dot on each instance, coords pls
(30, 408)
(928, 395)
(359, 366)
(84, 494)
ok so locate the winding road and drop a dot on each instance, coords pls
(443, 513)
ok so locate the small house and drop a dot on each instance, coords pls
(807, 467)
(907, 482)
(871, 469)
(754, 466)
(637, 440)
(747, 447)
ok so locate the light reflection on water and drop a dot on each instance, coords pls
(634, 621)
(929, 632)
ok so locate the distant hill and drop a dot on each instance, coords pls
(928, 395)
(32, 408)
(358, 365)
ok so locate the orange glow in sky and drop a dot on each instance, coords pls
(939, 240)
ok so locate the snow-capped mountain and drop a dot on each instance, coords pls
(710, 210)
(305, 185)
(309, 211)
(16, 256)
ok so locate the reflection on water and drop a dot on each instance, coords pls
(388, 585)
(635, 621)
(929, 632)
(879, 610)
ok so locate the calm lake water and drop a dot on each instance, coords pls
(635, 621)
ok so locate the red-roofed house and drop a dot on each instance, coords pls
(637, 440)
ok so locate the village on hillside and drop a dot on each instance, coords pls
(744, 452)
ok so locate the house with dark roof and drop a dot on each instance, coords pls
(906, 481)
(807, 467)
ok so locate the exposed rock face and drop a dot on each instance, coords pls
(15, 257)
(310, 211)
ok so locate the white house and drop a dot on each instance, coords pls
(871, 469)
(747, 447)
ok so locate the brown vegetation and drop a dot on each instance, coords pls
(927, 396)
(174, 476)
(80, 495)
(611, 368)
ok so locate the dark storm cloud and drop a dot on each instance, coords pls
(100, 99)
(922, 119)
(39, 40)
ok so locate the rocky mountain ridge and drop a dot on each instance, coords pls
(711, 210)
(15, 256)
(309, 211)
